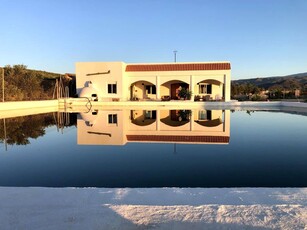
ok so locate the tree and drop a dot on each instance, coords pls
(24, 84)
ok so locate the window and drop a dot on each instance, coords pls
(205, 89)
(204, 115)
(150, 89)
(112, 118)
(112, 88)
(150, 114)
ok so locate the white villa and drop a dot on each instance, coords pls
(121, 126)
(118, 81)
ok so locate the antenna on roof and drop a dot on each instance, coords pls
(175, 55)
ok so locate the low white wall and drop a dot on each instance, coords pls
(77, 102)
(294, 104)
(27, 104)
(25, 108)
(53, 105)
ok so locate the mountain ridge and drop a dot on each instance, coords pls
(298, 80)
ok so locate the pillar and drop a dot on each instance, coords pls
(157, 120)
(192, 87)
(158, 97)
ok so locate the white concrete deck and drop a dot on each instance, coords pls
(153, 208)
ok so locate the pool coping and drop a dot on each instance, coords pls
(68, 104)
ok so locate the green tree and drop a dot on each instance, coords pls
(24, 84)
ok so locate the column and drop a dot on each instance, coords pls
(227, 87)
(192, 87)
(157, 120)
(192, 121)
(158, 97)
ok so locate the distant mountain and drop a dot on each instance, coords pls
(288, 82)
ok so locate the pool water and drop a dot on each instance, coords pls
(155, 148)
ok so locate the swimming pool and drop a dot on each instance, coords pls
(155, 148)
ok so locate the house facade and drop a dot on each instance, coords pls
(121, 126)
(118, 81)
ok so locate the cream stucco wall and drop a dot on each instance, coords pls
(93, 129)
(162, 80)
(100, 81)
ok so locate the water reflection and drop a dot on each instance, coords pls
(266, 150)
(117, 127)
(19, 130)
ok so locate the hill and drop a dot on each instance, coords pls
(27, 84)
(44, 75)
(294, 81)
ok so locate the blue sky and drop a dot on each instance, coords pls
(260, 37)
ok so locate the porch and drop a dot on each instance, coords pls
(203, 90)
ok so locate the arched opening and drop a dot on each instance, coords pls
(209, 90)
(143, 90)
(210, 123)
(172, 89)
(177, 118)
(143, 117)
(208, 118)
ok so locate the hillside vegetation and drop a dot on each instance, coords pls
(277, 87)
(21, 83)
(287, 82)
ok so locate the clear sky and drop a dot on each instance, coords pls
(259, 37)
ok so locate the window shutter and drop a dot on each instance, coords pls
(209, 115)
(209, 89)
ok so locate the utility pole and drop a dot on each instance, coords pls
(175, 55)
(2, 70)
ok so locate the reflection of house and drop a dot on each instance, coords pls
(117, 127)
(121, 81)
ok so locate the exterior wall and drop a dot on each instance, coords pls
(227, 80)
(95, 130)
(100, 81)
(162, 80)
(165, 90)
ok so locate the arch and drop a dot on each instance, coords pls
(210, 123)
(171, 88)
(143, 117)
(177, 118)
(211, 81)
(209, 89)
(143, 90)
